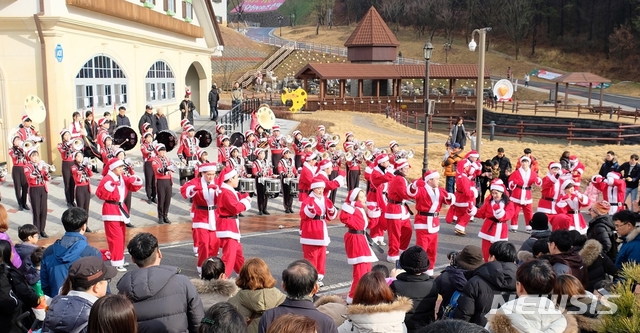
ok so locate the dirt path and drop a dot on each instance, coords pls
(364, 121)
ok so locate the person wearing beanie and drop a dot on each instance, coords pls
(419, 287)
(261, 171)
(520, 183)
(66, 154)
(613, 188)
(454, 276)
(571, 202)
(496, 212)
(381, 173)
(397, 212)
(540, 230)
(602, 229)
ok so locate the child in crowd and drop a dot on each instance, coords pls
(29, 235)
(385, 271)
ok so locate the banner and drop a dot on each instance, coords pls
(258, 6)
(551, 75)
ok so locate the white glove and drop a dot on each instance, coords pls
(127, 161)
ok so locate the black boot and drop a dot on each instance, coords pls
(265, 212)
(129, 225)
(166, 220)
(43, 234)
(25, 207)
(87, 230)
(160, 219)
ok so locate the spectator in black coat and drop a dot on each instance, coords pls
(610, 164)
(90, 126)
(630, 172)
(497, 277)
(601, 228)
(564, 258)
(161, 121)
(539, 230)
(148, 118)
(565, 161)
(504, 164)
(417, 286)
(122, 119)
(110, 121)
(598, 263)
(454, 276)
(214, 97)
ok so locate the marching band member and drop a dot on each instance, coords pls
(220, 130)
(550, 193)
(612, 188)
(113, 190)
(287, 170)
(38, 175)
(81, 171)
(148, 154)
(236, 161)
(259, 171)
(260, 133)
(309, 169)
(107, 151)
(66, 153)
(353, 169)
(335, 167)
(394, 155)
(577, 169)
(249, 146)
(315, 211)
(356, 216)
(520, 184)
(103, 132)
(382, 173)
(183, 125)
(348, 137)
(429, 199)
(203, 158)
(496, 214)
(324, 170)
(397, 213)
(20, 182)
(298, 149)
(570, 203)
(223, 150)
(204, 192)
(27, 132)
(75, 128)
(277, 144)
(369, 145)
(464, 208)
(189, 145)
(230, 205)
(163, 169)
(321, 139)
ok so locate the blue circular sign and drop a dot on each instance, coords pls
(59, 53)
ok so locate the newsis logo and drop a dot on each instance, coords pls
(547, 305)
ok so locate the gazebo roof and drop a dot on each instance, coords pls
(372, 31)
(388, 71)
(580, 77)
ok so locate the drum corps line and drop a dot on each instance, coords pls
(262, 163)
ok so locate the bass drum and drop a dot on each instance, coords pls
(205, 137)
(237, 139)
(168, 139)
(125, 137)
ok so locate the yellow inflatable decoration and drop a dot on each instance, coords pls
(295, 99)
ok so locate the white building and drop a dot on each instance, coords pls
(220, 8)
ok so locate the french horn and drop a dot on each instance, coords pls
(349, 156)
(335, 138)
(326, 155)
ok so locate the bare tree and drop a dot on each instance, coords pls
(321, 8)
(392, 10)
(447, 12)
(486, 13)
(518, 15)
(420, 14)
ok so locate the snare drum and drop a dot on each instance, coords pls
(247, 185)
(248, 168)
(272, 185)
(293, 185)
(188, 172)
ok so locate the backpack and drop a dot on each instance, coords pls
(448, 311)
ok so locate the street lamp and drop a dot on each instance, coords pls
(428, 50)
(480, 87)
(280, 18)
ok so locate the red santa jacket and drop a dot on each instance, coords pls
(330, 185)
(571, 205)
(107, 153)
(612, 191)
(230, 204)
(113, 190)
(188, 148)
(286, 167)
(321, 144)
(18, 157)
(520, 184)
(37, 176)
(533, 166)
(66, 153)
(306, 177)
(576, 172)
(466, 194)
(428, 204)
(276, 144)
(496, 217)
(550, 194)
(204, 198)
(148, 152)
(298, 148)
(82, 175)
(314, 214)
(28, 133)
(356, 244)
(102, 133)
(378, 177)
(397, 195)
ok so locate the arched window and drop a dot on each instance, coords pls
(100, 84)
(160, 83)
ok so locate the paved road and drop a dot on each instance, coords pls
(260, 34)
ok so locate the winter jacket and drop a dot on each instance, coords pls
(58, 257)
(122, 121)
(477, 298)
(535, 235)
(164, 300)
(626, 171)
(333, 306)
(253, 303)
(451, 280)
(421, 289)
(67, 313)
(505, 165)
(598, 263)
(542, 316)
(215, 291)
(450, 165)
(588, 321)
(161, 123)
(571, 263)
(565, 163)
(458, 135)
(601, 228)
(148, 118)
(379, 318)
(303, 307)
(607, 167)
(16, 261)
(630, 249)
(30, 273)
(214, 97)
(23, 295)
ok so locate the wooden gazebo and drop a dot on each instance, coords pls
(580, 77)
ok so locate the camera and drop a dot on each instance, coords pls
(452, 258)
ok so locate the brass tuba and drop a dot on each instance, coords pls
(77, 144)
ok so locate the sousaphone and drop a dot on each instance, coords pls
(125, 137)
(168, 138)
(204, 137)
(35, 108)
(266, 118)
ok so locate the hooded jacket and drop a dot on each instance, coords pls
(598, 264)
(549, 320)
(535, 235)
(477, 298)
(588, 321)
(215, 291)
(69, 313)
(379, 318)
(630, 249)
(569, 262)
(451, 280)
(253, 303)
(601, 228)
(164, 300)
(30, 273)
(58, 257)
(333, 306)
(422, 291)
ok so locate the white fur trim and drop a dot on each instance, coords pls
(108, 185)
(207, 168)
(117, 263)
(190, 191)
(308, 212)
(499, 213)
(566, 183)
(525, 158)
(138, 181)
(475, 192)
(347, 208)
(497, 187)
(432, 175)
(317, 185)
(116, 164)
(403, 165)
(555, 165)
(383, 159)
(340, 180)
(613, 175)
(412, 189)
(374, 213)
(332, 213)
(354, 194)
(473, 211)
(246, 202)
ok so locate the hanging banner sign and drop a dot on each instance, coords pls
(258, 6)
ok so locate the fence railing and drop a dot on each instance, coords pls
(541, 108)
(234, 120)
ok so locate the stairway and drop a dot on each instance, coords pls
(272, 62)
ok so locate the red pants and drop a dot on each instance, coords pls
(359, 270)
(429, 242)
(194, 234)
(115, 232)
(232, 255)
(459, 215)
(399, 237)
(379, 228)
(526, 210)
(317, 256)
(485, 249)
(207, 244)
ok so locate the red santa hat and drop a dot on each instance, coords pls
(224, 137)
(324, 164)
(218, 127)
(349, 144)
(25, 118)
(567, 182)
(296, 132)
(317, 182)
(392, 143)
(401, 163)
(321, 128)
(147, 134)
(101, 121)
(368, 143)
(104, 140)
(184, 122)
(498, 185)
(431, 174)
(472, 153)
(353, 195)
(614, 175)
(206, 167)
(200, 152)
(332, 143)
(275, 128)
(554, 165)
(226, 174)
(145, 127)
(189, 128)
(286, 150)
(525, 158)
(311, 156)
(118, 151)
(258, 151)
(31, 151)
(232, 148)
(114, 163)
(306, 144)
(160, 146)
(248, 133)
(348, 134)
(573, 159)
(64, 131)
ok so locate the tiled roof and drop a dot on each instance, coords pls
(580, 77)
(372, 31)
(389, 71)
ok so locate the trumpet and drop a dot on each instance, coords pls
(50, 168)
(77, 144)
(133, 164)
(178, 163)
(288, 139)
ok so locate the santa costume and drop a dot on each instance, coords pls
(464, 207)
(379, 175)
(612, 188)
(550, 193)
(359, 253)
(429, 201)
(307, 173)
(397, 214)
(520, 183)
(115, 215)
(324, 170)
(315, 212)
(496, 215)
(570, 205)
(577, 169)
